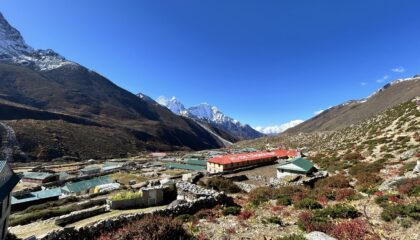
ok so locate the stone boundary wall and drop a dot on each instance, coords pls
(79, 215)
(93, 231)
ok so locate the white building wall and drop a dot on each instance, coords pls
(284, 174)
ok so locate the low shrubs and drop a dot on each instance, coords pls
(231, 211)
(125, 196)
(263, 194)
(344, 194)
(273, 220)
(347, 229)
(245, 214)
(222, 184)
(308, 203)
(367, 182)
(350, 229)
(410, 187)
(283, 200)
(338, 211)
(149, 227)
(392, 211)
(336, 181)
(353, 156)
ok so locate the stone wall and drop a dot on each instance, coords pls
(79, 215)
(212, 199)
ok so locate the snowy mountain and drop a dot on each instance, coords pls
(13, 49)
(205, 112)
(172, 104)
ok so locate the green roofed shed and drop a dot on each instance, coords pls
(82, 186)
(298, 165)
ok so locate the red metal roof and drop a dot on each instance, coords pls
(253, 156)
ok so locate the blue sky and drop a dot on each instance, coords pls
(262, 62)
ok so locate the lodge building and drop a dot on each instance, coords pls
(231, 162)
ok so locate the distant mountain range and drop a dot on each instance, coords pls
(355, 111)
(59, 109)
(211, 115)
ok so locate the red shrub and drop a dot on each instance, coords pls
(344, 193)
(299, 196)
(378, 194)
(394, 199)
(149, 227)
(277, 208)
(406, 186)
(231, 230)
(245, 214)
(307, 223)
(323, 200)
(350, 229)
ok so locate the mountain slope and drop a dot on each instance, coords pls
(393, 131)
(353, 112)
(38, 83)
(211, 115)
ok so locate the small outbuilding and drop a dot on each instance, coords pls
(297, 166)
(39, 177)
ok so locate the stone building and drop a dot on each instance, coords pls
(8, 180)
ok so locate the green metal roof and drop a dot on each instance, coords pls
(185, 166)
(297, 164)
(194, 161)
(38, 195)
(37, 175)
(86, 184)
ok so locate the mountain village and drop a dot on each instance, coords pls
(98, 162)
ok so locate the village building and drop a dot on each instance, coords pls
(90, 170)
(25, 200)
(294, 167)
(8, 180)
(235, 161)
(39, 177)
(85, 186)
(189, 164)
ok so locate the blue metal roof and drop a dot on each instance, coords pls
(38, 195)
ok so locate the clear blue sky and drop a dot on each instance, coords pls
(262, 62)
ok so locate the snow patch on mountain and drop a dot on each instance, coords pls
(172, 104)
(210, 114)
(277, 129)
(13, 49)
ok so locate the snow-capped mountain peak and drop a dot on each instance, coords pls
(13, 49)
(212, 115)
(172, 104)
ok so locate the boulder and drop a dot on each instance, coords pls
(318, 236)
(407, 154)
